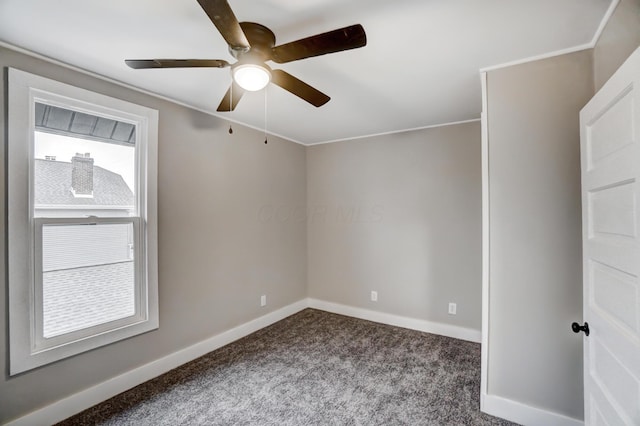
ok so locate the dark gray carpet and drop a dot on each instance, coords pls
(313, 368)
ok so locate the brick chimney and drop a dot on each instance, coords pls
(82, 175)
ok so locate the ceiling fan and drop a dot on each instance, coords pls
(252, 45)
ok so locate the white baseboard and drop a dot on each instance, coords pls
(84, 399)
(490, 404)
(524, 414)
(448, 330)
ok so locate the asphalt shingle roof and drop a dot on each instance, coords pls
(53, 186)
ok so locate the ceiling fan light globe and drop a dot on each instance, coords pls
(251, 77)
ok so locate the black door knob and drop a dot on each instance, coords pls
(577, 328)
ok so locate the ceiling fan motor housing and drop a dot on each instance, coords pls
(261, 39)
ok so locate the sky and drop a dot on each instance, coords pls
(119, 159)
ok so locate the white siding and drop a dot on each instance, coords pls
(75, 246)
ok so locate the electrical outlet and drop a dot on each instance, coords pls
(374, 296)
(452, 308)
(263, 300)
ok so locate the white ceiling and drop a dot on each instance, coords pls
(419, 68)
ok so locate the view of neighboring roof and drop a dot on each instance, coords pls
(53, 186)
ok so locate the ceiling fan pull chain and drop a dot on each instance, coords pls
(265, 115)
(231, 105)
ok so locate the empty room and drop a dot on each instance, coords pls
(278, 212)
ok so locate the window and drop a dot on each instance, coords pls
(82, 220)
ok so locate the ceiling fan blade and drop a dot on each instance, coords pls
(225, 21)
(226, 104)
(175, 63)
(333, 41)
(299, 88)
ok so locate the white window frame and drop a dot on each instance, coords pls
(28, 348)
(41, 343)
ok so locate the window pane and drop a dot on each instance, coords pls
(88, 276)
(84, 165)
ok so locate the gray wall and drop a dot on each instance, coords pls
(535, 231)
(401, 215)
(621, 36)
(217, 253)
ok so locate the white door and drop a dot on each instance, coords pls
(610, 151)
